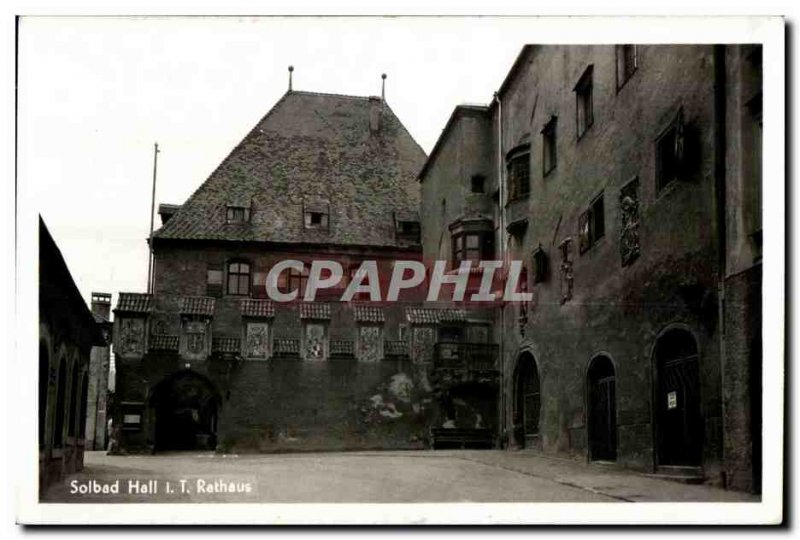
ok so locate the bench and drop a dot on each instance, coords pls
(461, 438)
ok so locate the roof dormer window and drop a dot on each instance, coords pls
(316, 216)
(237, 214)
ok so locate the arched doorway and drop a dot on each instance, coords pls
(602, 405)
(527, 403)
(679, 423)
(61, 391)
(186, 405)
(44, 386)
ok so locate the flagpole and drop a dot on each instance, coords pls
(152, 217)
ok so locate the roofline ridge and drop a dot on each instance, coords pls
(330, 94)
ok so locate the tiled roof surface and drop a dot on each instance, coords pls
(258, 308)
(197, 305)
(160, 342)
(225, 344)
(315, 310)
(134, 302)
(434, 316)
(368, 314)
(395, 348)
(310, 149)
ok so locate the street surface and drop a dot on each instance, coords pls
(386, 477)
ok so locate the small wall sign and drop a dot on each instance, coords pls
(672, 400)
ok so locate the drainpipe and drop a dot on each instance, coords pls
(720, 191)
(502, 242)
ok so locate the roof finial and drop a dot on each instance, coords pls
(383, 86)
(291, 69)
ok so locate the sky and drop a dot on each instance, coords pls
(96, 93)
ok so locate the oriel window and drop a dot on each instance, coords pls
(239, 278)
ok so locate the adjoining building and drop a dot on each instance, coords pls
(627, 178)
(99, 368)
(207, 360)
(67, 335)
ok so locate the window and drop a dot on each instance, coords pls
(549, 146)
(239, 279)
(316, 218)
(757, 126)
(591, 224)
(669, 153)
(408, 230)
(583, 96)
(474, 246)
(214, 281)
(478, 183)
(295, 281)
(519, 176)
(626, 63)
(539, 265)
(237, 214)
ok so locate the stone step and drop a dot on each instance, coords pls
(679, 473)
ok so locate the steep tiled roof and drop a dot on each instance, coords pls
(225, 344)
(434, 316)
(160, 342)
(197, 305)
(368, 314)
(134, 302)
(258, 308)
(315, 310)
(310, 149)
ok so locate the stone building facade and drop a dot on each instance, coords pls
(626, 179)
(207, 360)
(67, 335)
(99, 366)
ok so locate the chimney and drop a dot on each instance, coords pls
(375, 112)
(101, 305)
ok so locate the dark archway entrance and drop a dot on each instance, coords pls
(679, 422)
(186, 411)
(527, 404)
(602, 403)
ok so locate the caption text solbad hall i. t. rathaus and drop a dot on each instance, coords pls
(626, 179)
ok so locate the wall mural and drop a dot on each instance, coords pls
(422, 348)
(314, 347)
(629, 214)
(257, 343)
(131, 339)
(370, 343)
(195, 337)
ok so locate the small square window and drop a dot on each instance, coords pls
(583, 95)
(478, 184)
(592, 224)
(316, 220)
(549, 156)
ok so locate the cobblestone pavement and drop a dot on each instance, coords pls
(391, 477)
